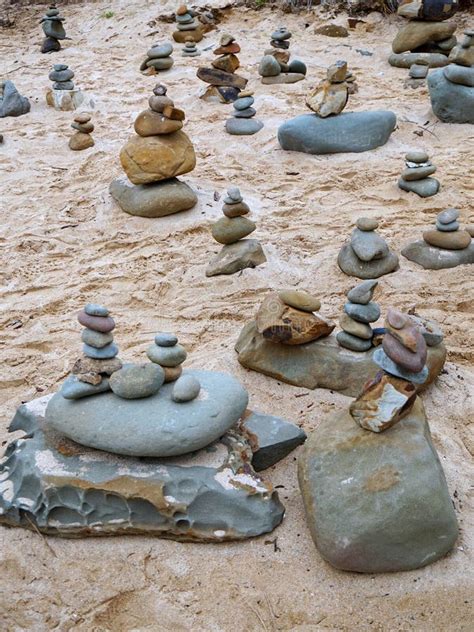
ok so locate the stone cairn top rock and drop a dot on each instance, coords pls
(158, 59)
(391, 394)
(83, 127)
(359, 311)
(61, 76)
(287, 317)
(222, 76)
(367, 255)
(188, 27)
(331, 95)
(52, 25)
(169, 355)
(447, 234)
(415, 176)
(242, 123)
(11, 101)
(275, 66)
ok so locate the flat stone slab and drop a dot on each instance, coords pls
(432, 258)
(376, 503)
(154, 426)
(51, 484)
(346, 132)
(157, 199)
(319, 364)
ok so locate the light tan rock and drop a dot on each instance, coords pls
(328, 98)
(149, 123)
(418, 32)
(456, 240)
(79, 141)
(228, 63)
(299, 299)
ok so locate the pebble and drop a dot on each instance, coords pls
(456, 240)
(172, 373)
(229, 230)
(245, 114)
(424, 188)
(149, 123)
(158, 104)
(368, 245)
(243, 103)
(243, 126)
(281, 34)
(163, 50)
(103, 353)
(367, 223)
(402, 356)
(297, 66)
(234, 195)
(160, 90)
(97, 323)
(448, 216)
(354, 343)
(418, 173)
(87, 128)
(61, 75)
(165, 339)
(82, 118)
(95, 338)
(73, 388)
(354, 327)
(186, 388)
(418, 71)
(235, 210)
(269, 66)
(63, 85)
(167, 356)
(135, 381)
(396, 319)
(362, 293)
(299, 299)
(447, 228)
(60, 67)
(93, 309)
(368, 313)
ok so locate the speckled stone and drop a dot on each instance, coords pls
(167, 356)
(102, 353)
(92, 309)
(135, 381)
(96, 338)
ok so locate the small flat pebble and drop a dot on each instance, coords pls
(103, 324)
(93, 309)
(417, 156)
(167, 356)
(299, 299)
(102, 353)
(136, 381)
(243, 103)
(363, 313)
(448, 216)
(73, 388)
(352, 342)
(96, 338)
(165, 339)
(186, 388)
(362, 293)
(367, 223)
(245, 114)
(447, 228)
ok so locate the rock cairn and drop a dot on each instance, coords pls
(444, 247)
(416, 178)
(52, 25)
(224, 82)
(190, 49)
(91, 372)
(11, 101)
(426, 38)
(243, 123)
(63, 95)
(158, 59)
(170, 355)
(61, 76)
(275, 65)
(331, 95)
(452, 88)
(158, 153)
(189, 28)
(237, 253)
(359, 312)
(366, 255)
(83, 127)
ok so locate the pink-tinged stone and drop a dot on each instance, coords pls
(396, 351)
(97, 323)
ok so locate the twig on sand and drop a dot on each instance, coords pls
(15, 69)
(35, 528)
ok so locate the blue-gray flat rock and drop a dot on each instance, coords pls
(376, 502)
(447, 228)
(134, 381)
(73, 388)
(432, 258)
(368, 313)
(354, 343)
(368, 245)
(154, 426)
(167, 355)
(153, 200)
(297, 66)
(353, 266)
(460, 74)
(406, 60)
(243, 126)
(93, 309)
(95, 338)
(243, 103)
(451, 102)
(384, 362)
(165, 339)
(424, 188)
(346, 132)
(102, 353)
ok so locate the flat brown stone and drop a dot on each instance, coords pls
(217, 77)
(149, 123)
(456, 240)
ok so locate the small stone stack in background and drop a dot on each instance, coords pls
(331, 95)
(242, 123)
(417, 74)
(359, 311)
(52, 25)
(82, 139)
(158, 59)
(189, 28)
(275, 66)
(168, 354)
(225, 84)
(237, 253)
(64, 95)
(61, 76)
(416, 178)
(190, 49)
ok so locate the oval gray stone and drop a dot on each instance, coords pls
(353, 342)
(135, 381)
(451, 102)
(417, 156)
(432, 258)
(243, 103)
(363, 292)
(349, 263)
(100, 353)
(93, 309)
(462, 75)
(424, 188)
(242, 126)
(153, 200)
(96, 338)
(73, 388)
(185, 389)
(162, 50)
(165, 339)
(269, 66)
(297, 66)
(447, 228)
(448, 216)
(167, 356)
(368, 313)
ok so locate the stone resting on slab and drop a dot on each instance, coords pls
(373, 487)
(444, 247)
(158, 59)
(91, 461)
(415, 177)
(290, 343)
(152, 159)
(275, 66)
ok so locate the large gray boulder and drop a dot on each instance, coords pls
(11, 101)
(152, 200)
(376, 502)
(346, 132)
(451, 102)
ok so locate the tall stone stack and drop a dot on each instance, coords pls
(52, 25)
(188, 27)
(64, 95)
(359, 312)
(153, 158)
(225, 84)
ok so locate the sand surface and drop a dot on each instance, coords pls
(64, 242)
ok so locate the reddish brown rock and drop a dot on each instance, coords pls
(104, 324)
(175, 114)
(410, 360)
(149, 123)
(230, 49)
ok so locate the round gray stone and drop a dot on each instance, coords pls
(102, 353)
(73, 388)
(353, 266)
(93, 309)
(242, 126)
(348, 341)
(363, 292)
(447, 228)
(448, 216)
(297, 66)
(246, 114)
(185, 389)
(96, 338)
(135, 381)
(165, 339)
(368, 313)
(243, 103)
(269, 66)
(153, 200)
(162, 50)
(167, 356)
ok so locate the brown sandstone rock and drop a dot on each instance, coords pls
(79, 141)
(456, 240)
(149, 123)
(227, 63)
(418, 32)
(327, 98)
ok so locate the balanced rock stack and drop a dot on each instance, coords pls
(416, 178)
(426, 39)
(331, 95)
(242, 123)
(63, 95)
(158, 59)
(366, 255)
(452, 88)
(190, 49)
(169, 355)
(82, 139)
(444, 247)
(11, 101)
(237, 253)
(275, 66)
(225, 83)
(153, 158)
(189, 29)
(359, 311)
(52, 24)
(91, 372)
(417, 73)
(61, 76)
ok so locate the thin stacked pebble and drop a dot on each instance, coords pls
(275, 66)
(158, 59)
(417, 73)
(83, 127)
(331, 95)
(415, 177)
(61, 76)
(242, 124)
(190, 49)
(359, 311)
(222, 76)
(52, 25)
(168, 354)
(188, 26)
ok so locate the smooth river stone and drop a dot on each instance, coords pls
(283, 77)
(217, 77)
(299, 299)
(417, 156)
(354, 343)
(167, 356)
(185, 389)
(243, 126)
(165, 339)
(368, 313)
(153, 200)
(347, 132)
(12, 103)
(424, 188)
(73, 388)
(362, 293)
(418, 32)
(417, 173)
(268, 66)
(243, 103)
(409, 360)
(93, 309)
(135, 381)
(355, 327)
(387, 364)
(243, 254)
(448, 216)
(163, 50)
(376, 503)
(229, 230)
(97, 323)
(368, 245)
(432, 258)
(102, 353)
(350, 264)
(459, 74)
(155, 426)
(451, 102)
(447, 228)
(406, 60)
(457, 240)
(96, 338)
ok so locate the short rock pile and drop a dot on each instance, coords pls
(224, 82)
(153, 158)
(158, 59)
(452, 88)
(11, 101)
(367, 255)
(64, 95)
(82, 139)
(242, 123)
(359, 311)
(61, 76)
(444, 247)
(331, 95)
(52, 24)
(275, 66)
(416, 178)
(190, 50)
(237, 253)
(166, 352)
(189, 28)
